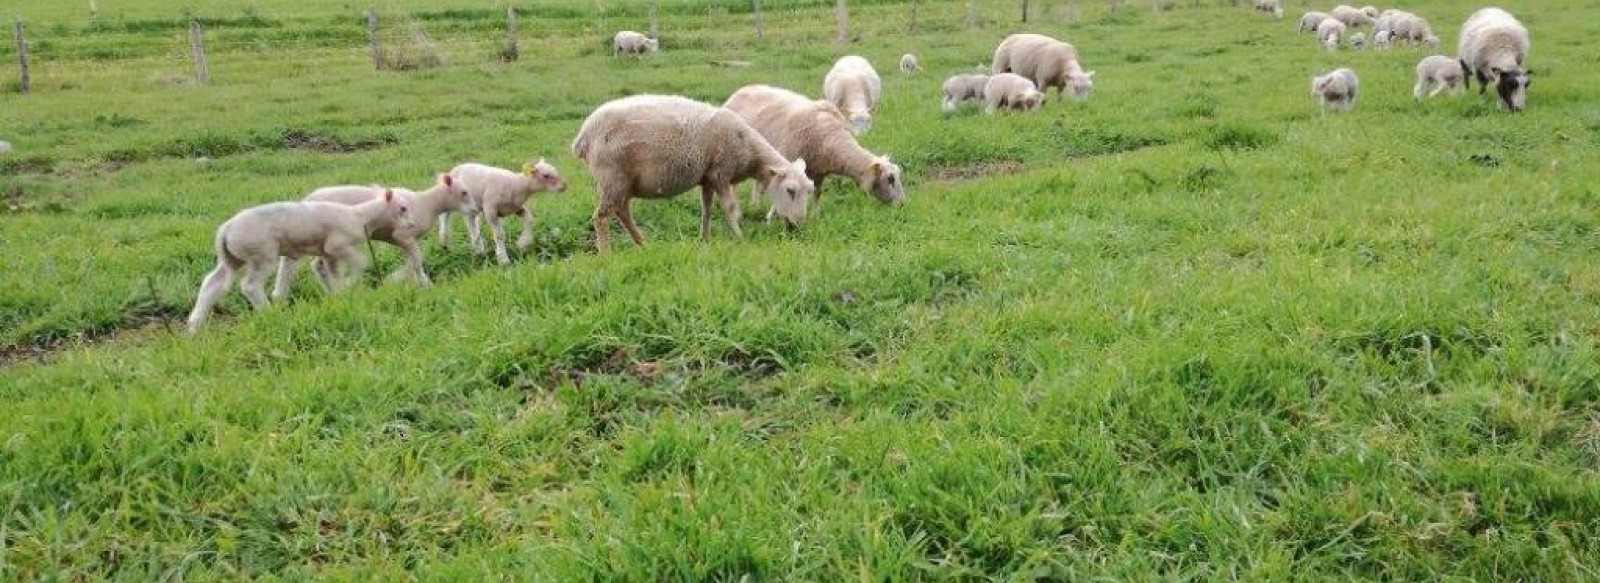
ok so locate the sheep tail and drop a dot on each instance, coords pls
(226, 256)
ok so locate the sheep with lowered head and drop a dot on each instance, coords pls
(1046, 62)
(1330, 32)
(853, 86)
(1382, 38)
(1273, 7)
(1438, 73)
(629, 42)
(658, 146)
(909, 64)
(446, 194)
(1413, 30)
(1350, 16)
(1310, 20)
(255, 238)
(498, 193)
(1336, 88)
(1011, 91)
(962, 88)
(1493, 46)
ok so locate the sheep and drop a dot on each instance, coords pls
(1310, 20)
(658, 146)
(1370, 11)
(1337, 88)
(257, 237)
(1385, 20)
(853, 86)
(1358, 41)
(629, 42)
(497, 193)
(446, 194)
(1381, 39)
(1413, 29)
(909, 64)
(1493, 46)
(1329, 32)
(815, 131)
(1011, 91)
(1045, 61)
(1273, 7)
(1351, 17)
(1439, 72)
(961, 88)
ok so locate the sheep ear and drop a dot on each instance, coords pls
(767, 172)
(527, 169)
(1495, 70)
(878, 168)
(446, 180)
(388, 195)
(1089, 74)
(800, 164)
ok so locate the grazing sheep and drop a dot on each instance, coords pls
(1273, 7)
(1493, 46)
(657, 146)
(629, 42)
(1310, 20)
(258, 236)
(1045, 61)
(1439, 72)
(1011, 91)
(1370, 11)
(1385, 20)
(1381, 39)
(497, 193)
(962, 88)
(1358, 41)
(1337, 88)
(1329, 33)
(853, 86)
(908, 64)
(815, 131)
(1413, 29)
(1350, 16)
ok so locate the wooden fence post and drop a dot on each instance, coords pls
(372, 38)
(654, 33)
(22, 57)
(1024, 11)
(197, 45)
(756, 7)
(512, 51)
(841, 13)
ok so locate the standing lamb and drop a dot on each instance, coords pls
(815, 131)
(1351, 17)
(498, 193)
(1045, 61)
(1413, 29)
(629, 42)
(1310, 20)
(962, 88)
(1011, 91)
(1273, 7)
(657, 146)
(908, 64)
(1329, 33)
(1337, 88)
(1439, 72)
(853, 86)
(1493, 46)
(257, 237)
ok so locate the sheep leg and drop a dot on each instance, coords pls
(254, 284)
(602, 213)
(705, 212)
(287, 268)
(323, 268)
(525, 240)
(1416, 90)
(444, 230)
(498, 229)
(1483, 82)
(625, 215)
(475, 232)
(413, 253)
(1438, 87)
(211, 289)
(351, 263)
(730, 209)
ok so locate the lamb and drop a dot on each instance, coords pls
(1351, 17)
(497, 193)
(1358, 41)
(1413, 29)
(1382, 38)
(815, 131)
(1493, 46)
(629, 42)
(1011, 91)
(1046, 62)
(256, 237)
(1273, 7)
(1337, 88)
(962, 88)
(853, 86)
(1385, 21)
(1310, 20)
(1439, 72)
(657, 146)
(1329, 32)
(1370, 11)
(908, 64)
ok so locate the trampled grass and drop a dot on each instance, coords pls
(1186, 330)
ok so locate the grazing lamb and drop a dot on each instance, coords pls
(1329, 33)
(497, 193)
(444, 196)
(258, 236)
(1493, 46)
(629, 42)
(1310, 20)
(1439, 72)
(1358, 41)
(815, 131)
(1385, 20)
(1381, 39)
(853, 86)
(962, 88)
(1273, 7)
(1337, 88)
(1045, 61)
(657, 146)
(1370, 11)
(1351, 17)
(908, 64)
(1011, 91)
(1413, 30)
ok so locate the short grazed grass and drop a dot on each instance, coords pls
(1188, 329)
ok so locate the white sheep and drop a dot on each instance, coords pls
(629, 42)
(1370, 11)
(1329, 33)
(1382, 38)
(657, 146)
(1438, 73)
(1337, 88)
(1350, 16)
(1385, 20)
(497, 193)
(1046, 62)
(817, 132)
(1493, 46)
(909, 64)
(1358, 41)
(1310, 20)
(962, 88)
(853, 86)
(1011, 91)
(255, 238)
(1273, 7)
(1413, 29)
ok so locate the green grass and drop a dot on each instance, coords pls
(1186, 330)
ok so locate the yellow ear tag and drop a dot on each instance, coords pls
(527, 169)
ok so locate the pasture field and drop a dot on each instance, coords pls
(1186, 330)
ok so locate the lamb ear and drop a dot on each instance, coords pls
(878, 168)
(1088, 74)
(447, 180)
(388, 195)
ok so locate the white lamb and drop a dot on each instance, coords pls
(1413, 30)
(1382, 38)
(629, 42)
(1358, 41)
(1493, 46)
(909, 64)
(1385, 20)
(257, 237)
(1273, 7)
(1350, 16)
(815, 131)
(1310, 20)
(853, 86)
(1329, 33)
(497, 193)
(1337, 88)
(1046, 62)
(962, 88)
(1438, 73)
(1011, 91)
(1370, 11)
(656, 146)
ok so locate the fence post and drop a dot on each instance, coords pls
(756, 6)
(1024, 11)
(841, 13)
(372, 38)
(512, 51)
(197, 44)
(94, 9)
(655, 34)
(913, 26)
(972, 13)
(22, 57)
